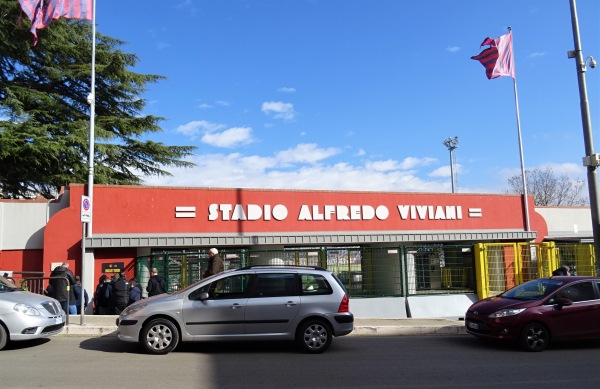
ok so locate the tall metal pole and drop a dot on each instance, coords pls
(90, 189)
(523, 178)
(591, 160)
(92, 101)
(451, 144)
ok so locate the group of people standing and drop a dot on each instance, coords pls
(114, 294)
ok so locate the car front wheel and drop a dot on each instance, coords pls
(535, 337)
(314, 336)
(160, 336)
(3, 337)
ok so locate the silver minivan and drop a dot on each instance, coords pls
(305, 304)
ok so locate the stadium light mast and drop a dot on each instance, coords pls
(591, 160)
(451, 143)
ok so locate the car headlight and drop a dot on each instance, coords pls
(506, 312)
(133, 309)
(26, 310)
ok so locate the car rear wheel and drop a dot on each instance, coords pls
(535, 337)
(160, 336)
(314, 336)
(3, 337)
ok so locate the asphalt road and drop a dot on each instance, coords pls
(352, 362)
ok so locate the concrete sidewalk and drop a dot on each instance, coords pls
(97, 325)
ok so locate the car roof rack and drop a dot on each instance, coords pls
(281, 267)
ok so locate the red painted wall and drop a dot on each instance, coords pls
(126, 209)
(22, 260)
(140, 210)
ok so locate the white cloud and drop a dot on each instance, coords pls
(193, 128)
(536, 54)
(305, 153)
(286, 89)
(383, 166)
(412, 162)
(229, 138)
(279, 110)
(238, 171)
(453, 49)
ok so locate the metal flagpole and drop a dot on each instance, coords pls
(91, 99)
(592, 160)
(525, 199)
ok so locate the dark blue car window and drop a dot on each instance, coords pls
(533, 290)
(582, 291)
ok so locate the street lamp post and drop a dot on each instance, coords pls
(451, 143)
(591, 161)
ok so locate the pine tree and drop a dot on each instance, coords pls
(44, 113)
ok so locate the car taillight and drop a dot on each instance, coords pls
(344, 305)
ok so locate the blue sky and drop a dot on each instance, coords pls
(359, 94)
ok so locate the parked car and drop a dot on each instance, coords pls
(305, 304)
(539, 311)
(25, 315)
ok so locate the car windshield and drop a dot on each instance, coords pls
(7, 285)
(533, 290)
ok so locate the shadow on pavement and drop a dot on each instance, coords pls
(21, 345)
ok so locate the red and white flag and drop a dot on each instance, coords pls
(42, 12)
(498, 59)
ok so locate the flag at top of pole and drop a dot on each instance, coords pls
(498, 59)
(42, 12)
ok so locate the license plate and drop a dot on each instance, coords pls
(472, 325)
(58, 320)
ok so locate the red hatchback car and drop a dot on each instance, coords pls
(539, 311)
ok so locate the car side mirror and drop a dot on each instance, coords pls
(203, 296)
(563, 302)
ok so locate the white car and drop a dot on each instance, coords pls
(25, 315)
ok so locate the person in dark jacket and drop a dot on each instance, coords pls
(62, 281)
(102, 296)
(215, 263)
(79, 291)
(135, 293)
(156, 284)
(120, 294)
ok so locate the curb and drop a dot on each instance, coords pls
(407, 330)
(360, 330)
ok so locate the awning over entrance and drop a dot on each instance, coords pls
(297, 239)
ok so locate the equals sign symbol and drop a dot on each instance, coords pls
(185, 211)
(474, 212)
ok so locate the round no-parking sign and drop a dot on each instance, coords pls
(86, 209)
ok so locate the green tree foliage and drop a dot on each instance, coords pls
(45, 116)
(548, 189)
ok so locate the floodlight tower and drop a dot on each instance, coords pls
(451, 143)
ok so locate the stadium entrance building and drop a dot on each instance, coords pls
(386, 247)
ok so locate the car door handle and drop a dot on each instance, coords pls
(236, 306)
(290, 304)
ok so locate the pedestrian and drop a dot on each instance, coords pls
(562, 271)
(62, 281)
(135, 292)
(78, 290)
(102, 295)
(156, 284)
(120, 294)
(215, 263)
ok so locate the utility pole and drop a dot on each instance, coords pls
(451, 143)
(591, 160)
